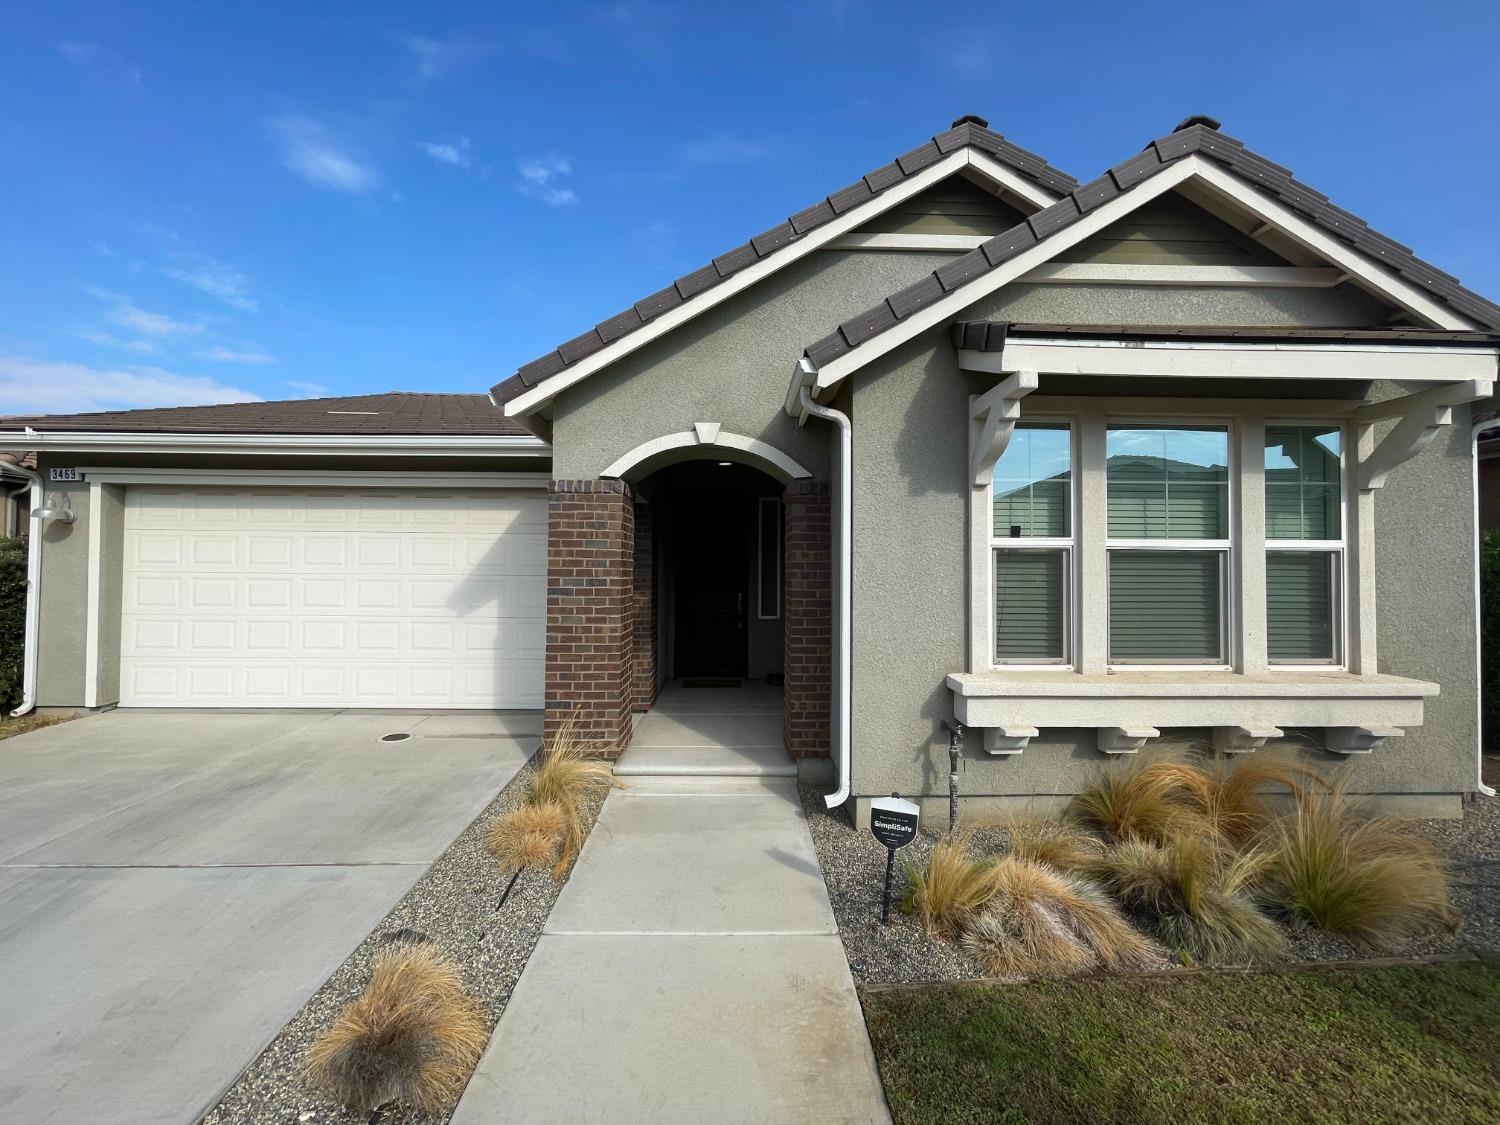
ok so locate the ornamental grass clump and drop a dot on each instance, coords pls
(1038, 921)
(413, 1036)
(1367, 879)
(1240, 796)
(1196, 896)
(1058, 843)
(1153, 798)
(529, 836)
(569, 778)
(949, 891)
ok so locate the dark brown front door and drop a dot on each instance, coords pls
(713, 588)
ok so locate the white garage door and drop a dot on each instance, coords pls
(322, 597)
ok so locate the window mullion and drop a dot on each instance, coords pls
(1092, 558)
(1250, 573)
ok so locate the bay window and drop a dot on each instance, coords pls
(1304, 544)
(1031, 545)
(1168, 544)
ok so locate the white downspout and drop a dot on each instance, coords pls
(1474, 432)
(33, 586)
(843, 657)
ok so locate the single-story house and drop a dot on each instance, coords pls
(1180, 454)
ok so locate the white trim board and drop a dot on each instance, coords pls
(1370, 275)
(397, 445)
(537, 397)
(93, 595)
(311, 478)
(1235, 359)
(717, 443)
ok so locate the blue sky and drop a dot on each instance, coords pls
(217, 201)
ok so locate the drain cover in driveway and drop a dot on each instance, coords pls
(399, 736)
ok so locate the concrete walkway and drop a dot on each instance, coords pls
(691, 969)
(174, 885)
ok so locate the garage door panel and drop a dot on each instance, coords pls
(333, 596)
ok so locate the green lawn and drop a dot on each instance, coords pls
(1416, 1044)
(33, 721)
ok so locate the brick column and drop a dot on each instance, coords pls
(590, 611)
(643, 687)
(808, 618)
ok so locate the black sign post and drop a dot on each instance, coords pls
(894, 823)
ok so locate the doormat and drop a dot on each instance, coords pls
(710, 681)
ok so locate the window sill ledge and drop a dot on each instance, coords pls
(1243, 709)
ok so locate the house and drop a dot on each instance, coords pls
(1180, 454)
(13, 495)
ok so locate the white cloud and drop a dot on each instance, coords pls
(723, 148)
(307, 390)
(109, 340)
(125, 313)
(431, 59)
(221, 354)
(539, 176)
(307, 149)
(39, 386)
(216, 279)
(456, 153)
(95, 55)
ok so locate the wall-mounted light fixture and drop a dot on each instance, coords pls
(56, 508)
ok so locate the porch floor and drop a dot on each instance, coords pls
(710, 732)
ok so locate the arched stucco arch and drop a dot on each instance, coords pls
(705, 440)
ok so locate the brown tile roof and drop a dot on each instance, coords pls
(394, 413)
(970, 132)
(1193, 137)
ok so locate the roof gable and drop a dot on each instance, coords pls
(1171, 230)
(955, 206)
(1024, 172)
(1146, 173)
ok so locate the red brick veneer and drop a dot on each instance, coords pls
(590, 611)
(643, 665)
(808, 617)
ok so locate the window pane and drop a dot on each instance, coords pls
(1302, 482)
(1301, 592)
(1165, 607)
(1029, 607)
(1033, 482)
(768, 561)
(1168, 483)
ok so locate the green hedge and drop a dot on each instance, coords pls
(1489, 572)
(12, 620)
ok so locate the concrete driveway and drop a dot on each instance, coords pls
(174, 885)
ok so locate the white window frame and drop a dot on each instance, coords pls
(1067, 544)
(1339, 546)
(1225, 548)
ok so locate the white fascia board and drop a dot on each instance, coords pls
(1361, 269)
(307, 478)
(400, 445)
(1013, 182)
(541, 394)
(939, 243)
(1372, 276)
(835, 371)
(1235, 360)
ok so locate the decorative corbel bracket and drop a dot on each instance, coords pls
(1421, 416)
(1360, 740)
(1010, 739)
(1245, 739)
(1125, 740)
(992, 419)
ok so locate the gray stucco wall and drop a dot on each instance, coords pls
(62, 632)
(910, 551)
(731, 365)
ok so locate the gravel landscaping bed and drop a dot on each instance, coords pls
(453, 905)
(854, 868)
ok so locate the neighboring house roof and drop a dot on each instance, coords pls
(393, 413)
(1196, 136)
(971, 132)
(17, 457)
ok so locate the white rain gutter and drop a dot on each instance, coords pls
(843, 660)
(1474, 432)
(33, 586)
